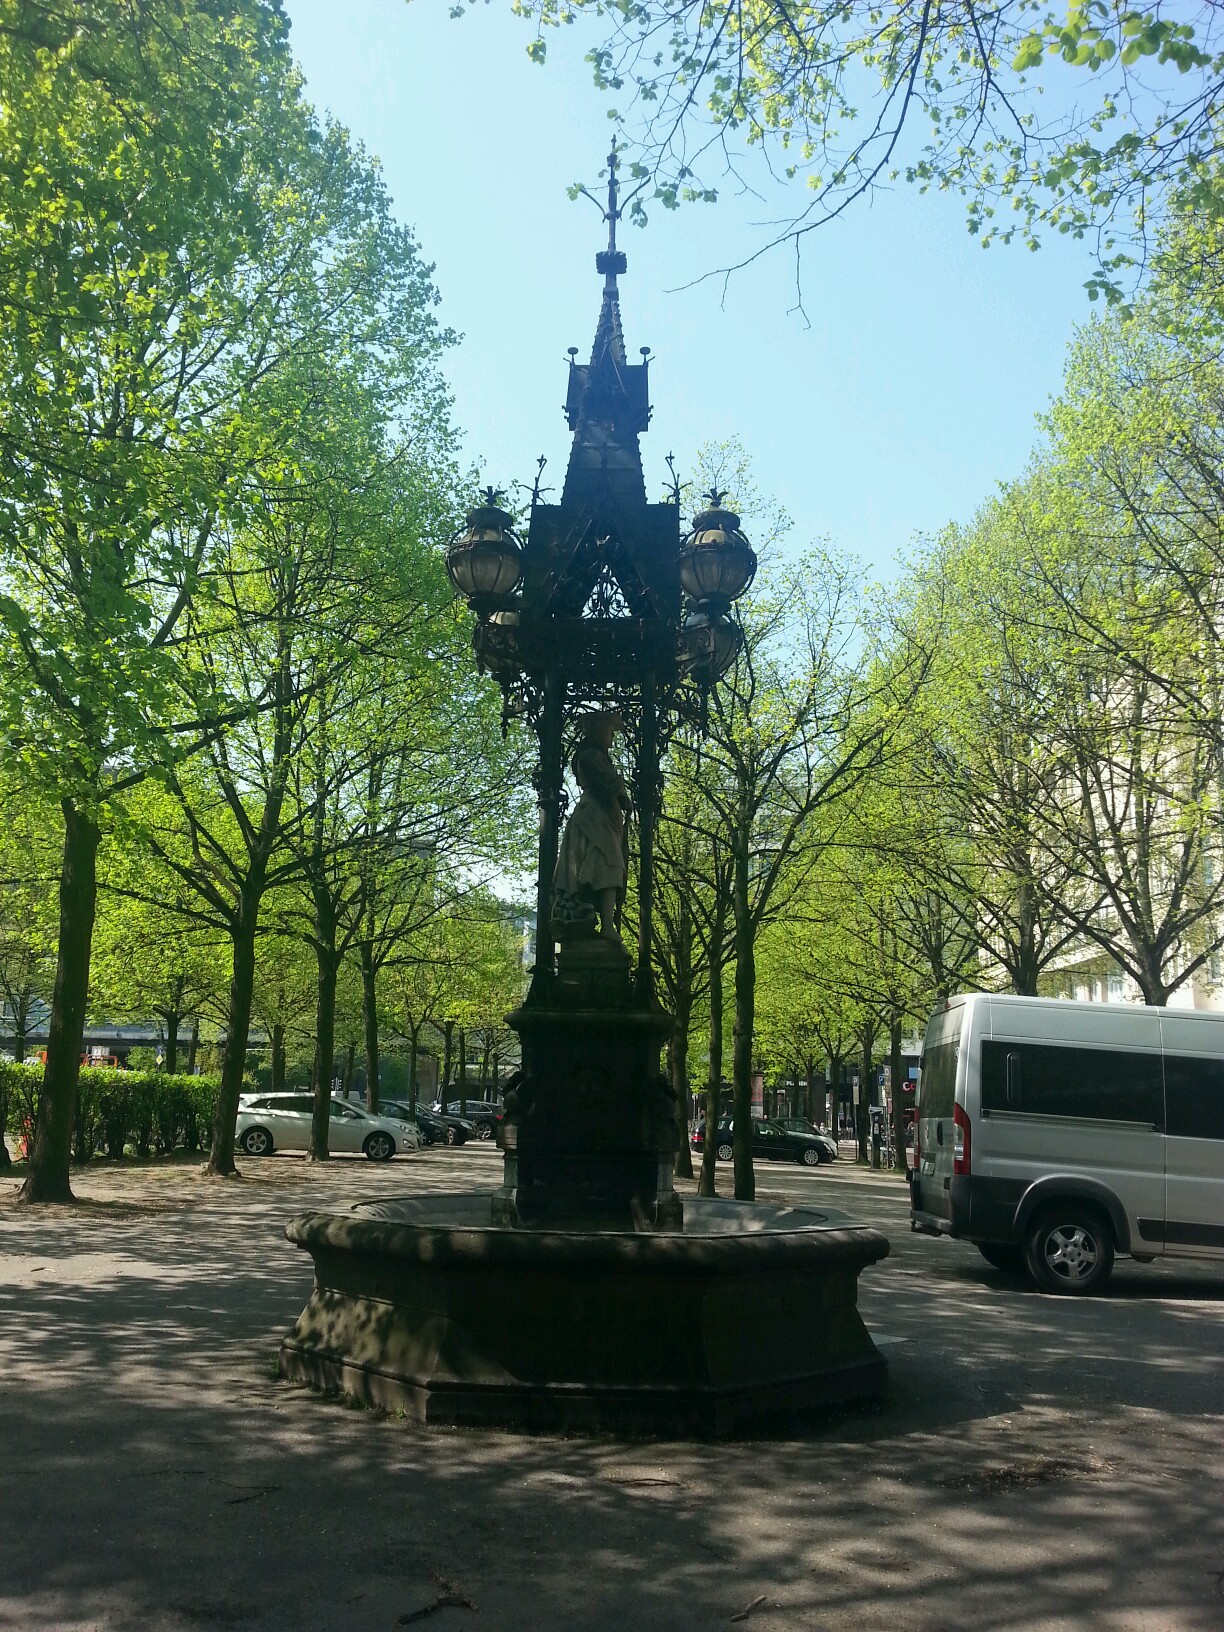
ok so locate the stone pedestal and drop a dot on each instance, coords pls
(590, 1131)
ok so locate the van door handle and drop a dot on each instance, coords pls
(939, 1133)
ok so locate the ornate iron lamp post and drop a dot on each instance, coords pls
(618, 625)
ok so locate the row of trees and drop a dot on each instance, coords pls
(1005, 773)
(232, 675)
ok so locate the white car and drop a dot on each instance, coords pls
(268, 1122)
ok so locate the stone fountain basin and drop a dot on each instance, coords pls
(746, 1318)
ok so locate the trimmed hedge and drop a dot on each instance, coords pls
(146, 1110)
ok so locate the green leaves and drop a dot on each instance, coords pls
(846, 96)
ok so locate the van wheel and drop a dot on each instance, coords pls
(1069, 1249)
(1002, 1256)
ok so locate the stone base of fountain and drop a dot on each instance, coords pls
(746, 1318)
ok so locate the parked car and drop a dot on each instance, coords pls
(436, 1127)
(271, 1122)
(1055, 1135)
(801, 1124)
(772, 1141)
(483, 1114)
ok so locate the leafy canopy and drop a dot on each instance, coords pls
(1079, 121)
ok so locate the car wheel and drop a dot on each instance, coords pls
(452, 1136)
(726, 1152)
(483, 1131)
(257, 1142)
(1069, 1249)
(810, 1157)
(1002, 1255)
(379, 1147)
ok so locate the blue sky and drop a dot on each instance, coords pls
(914, 391)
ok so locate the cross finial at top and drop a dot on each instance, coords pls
(613, 211)
(610, 261)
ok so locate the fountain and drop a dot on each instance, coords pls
(584, 1293)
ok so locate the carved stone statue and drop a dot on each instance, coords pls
(593, 861)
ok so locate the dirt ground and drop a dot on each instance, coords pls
(1039, 1462)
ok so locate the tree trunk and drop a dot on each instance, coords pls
(413, 1033)
(172, 1018)
(278, 1059)
(21, 1026)
(677, 1064)
(1149, 972)
(369, 1023)
(745, 1019)
(866, 1069)
(835, 1076)
(47, 1179)
(448, 1053)
(706, 1185)
(328, 966)
(193, 1044)
(1027, 958)
(237, 1029)
(894, 1071)
(462, 1071)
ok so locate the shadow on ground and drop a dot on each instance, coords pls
(1039, 1462)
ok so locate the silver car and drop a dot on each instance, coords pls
(269, 1122)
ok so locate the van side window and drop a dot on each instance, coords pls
(1194, 1090)
(1104, 1085)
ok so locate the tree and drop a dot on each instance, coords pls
(685, 869)
(977, 752)
(283, 996)
(850, 97)
(29, 858)
(149, 958)
(783, 744)
(442, 801)
(169, 197)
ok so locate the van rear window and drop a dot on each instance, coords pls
(937, 1082)
(1099, 1084)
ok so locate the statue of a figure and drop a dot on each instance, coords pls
(593, 861)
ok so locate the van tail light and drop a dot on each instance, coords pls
(917, 1138)
(962, 1140)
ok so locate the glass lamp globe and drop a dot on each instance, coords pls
(485, 562)
(717, 563)
(711, 643)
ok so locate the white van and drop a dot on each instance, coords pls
(1056, 1134)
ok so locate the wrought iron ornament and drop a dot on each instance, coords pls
(603, 607)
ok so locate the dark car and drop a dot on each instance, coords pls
(801, 1124)
(772, 1141)
(437, 1128)
(483, 1114)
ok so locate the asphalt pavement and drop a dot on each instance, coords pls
(1039, 1462)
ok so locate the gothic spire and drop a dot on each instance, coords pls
(608, 402)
